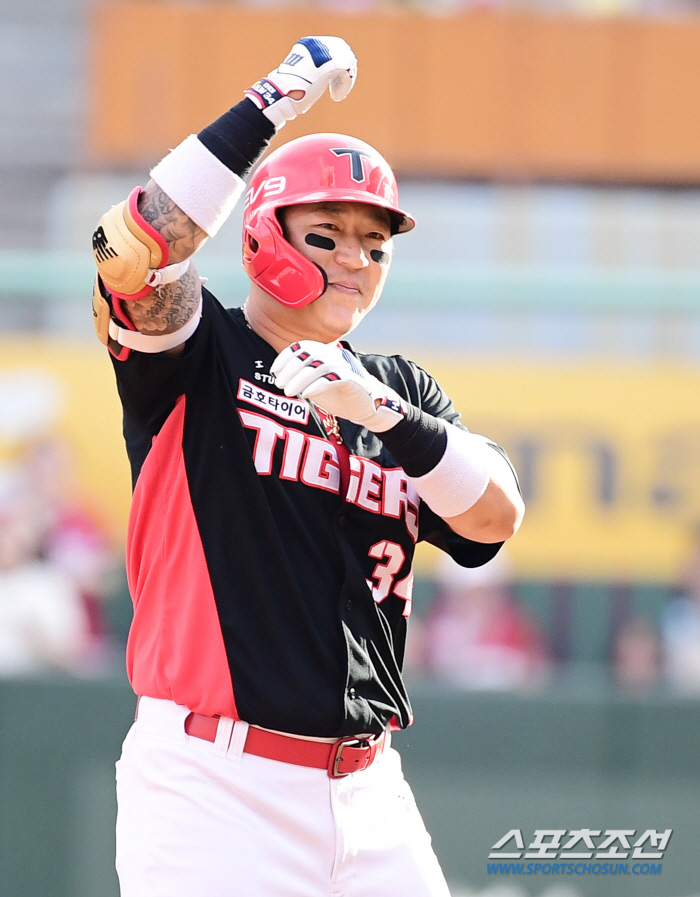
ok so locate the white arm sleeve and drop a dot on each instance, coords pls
(461, 476)
(199, 183)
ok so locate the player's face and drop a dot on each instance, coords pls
(352, 243)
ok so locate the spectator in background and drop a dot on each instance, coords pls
(71, 539)
(476, 635)
(636, 657)
(681, 627)
(43, 626)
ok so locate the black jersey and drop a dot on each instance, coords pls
(270, 568)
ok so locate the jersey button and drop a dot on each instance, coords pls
(352, 694)
(348, 604)
(341, 520)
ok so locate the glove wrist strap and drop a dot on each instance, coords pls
(275, 106)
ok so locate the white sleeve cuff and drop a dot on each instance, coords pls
(199, 183)
(460, 477)
(151, 344)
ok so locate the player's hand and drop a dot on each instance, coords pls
(313, 65)
(334, 379)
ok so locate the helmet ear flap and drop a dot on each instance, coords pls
(277, 267)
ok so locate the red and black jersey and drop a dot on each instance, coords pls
(270, 569)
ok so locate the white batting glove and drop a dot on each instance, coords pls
(334, 379)
(314, 64)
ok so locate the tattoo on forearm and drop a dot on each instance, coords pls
(169, 307)
(181, 234)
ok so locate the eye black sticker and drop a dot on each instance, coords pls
(378, 255)
(320, 242)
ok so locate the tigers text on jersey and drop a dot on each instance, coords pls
(269, 566)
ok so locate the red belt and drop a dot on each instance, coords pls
(340, 758)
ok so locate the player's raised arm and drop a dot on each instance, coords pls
(147, 293)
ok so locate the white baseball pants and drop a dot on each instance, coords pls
(195, 819)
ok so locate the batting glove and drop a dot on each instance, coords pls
(314, 64)
(334, 379)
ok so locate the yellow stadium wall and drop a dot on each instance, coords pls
(88, 418)
(477, 94)
(645, 419)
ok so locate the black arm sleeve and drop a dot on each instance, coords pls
(239, 137)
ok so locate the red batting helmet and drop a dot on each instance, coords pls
(316, 168)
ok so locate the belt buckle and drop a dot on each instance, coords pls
(368, 748)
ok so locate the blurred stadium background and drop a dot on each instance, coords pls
(550, 150)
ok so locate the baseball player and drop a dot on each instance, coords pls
(281, 482)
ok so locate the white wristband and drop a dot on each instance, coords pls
(460, 477)
(199, 183)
